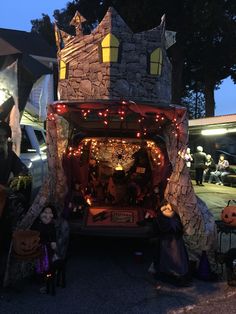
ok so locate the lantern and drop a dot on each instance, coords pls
(26, 243)
(228, 215)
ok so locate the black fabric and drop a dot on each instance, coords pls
(171, 254)
(6, 108)
(34, 67)
(29, 70)
(47, 231)
(25, 42)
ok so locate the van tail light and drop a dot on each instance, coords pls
(61, 109)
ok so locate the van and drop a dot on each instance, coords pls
(116, 172)
(33, 154)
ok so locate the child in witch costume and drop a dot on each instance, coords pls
(45, 224)
(171, 263)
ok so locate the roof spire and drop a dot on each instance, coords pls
(77, 22)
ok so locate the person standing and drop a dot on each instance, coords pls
(188, 158)
(221, 171)
(10, 163)
(200, 160)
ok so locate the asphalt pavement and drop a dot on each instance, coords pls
(104, 276)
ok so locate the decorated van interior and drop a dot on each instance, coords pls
(114, 182)
(116, 171)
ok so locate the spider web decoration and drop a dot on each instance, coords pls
(114, 152)
(122, 154)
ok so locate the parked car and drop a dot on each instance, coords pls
(33, 154)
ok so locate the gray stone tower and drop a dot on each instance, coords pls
(113, 63)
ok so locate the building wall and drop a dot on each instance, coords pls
(215, 145)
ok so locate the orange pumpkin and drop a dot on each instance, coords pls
(26, 243)
(228, 215)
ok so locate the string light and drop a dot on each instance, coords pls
(51, 117)
(122, 112)
(61, 109)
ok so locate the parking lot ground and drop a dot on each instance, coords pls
(104, 277)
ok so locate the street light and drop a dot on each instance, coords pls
(214, 132)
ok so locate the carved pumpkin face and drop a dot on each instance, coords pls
(26, 242)
(228, 215)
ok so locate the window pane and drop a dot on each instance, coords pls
(156, 55)
(25, 142)
(62, 73)
(109, 54)
(110, 40)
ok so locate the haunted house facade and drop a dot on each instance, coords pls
(112, 63)
(112, 66)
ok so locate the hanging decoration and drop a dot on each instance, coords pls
(124, 112)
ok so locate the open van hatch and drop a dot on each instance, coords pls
(114, 183)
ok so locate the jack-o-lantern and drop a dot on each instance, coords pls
(26, 243)
(228, 215)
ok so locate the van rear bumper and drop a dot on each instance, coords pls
(77, 228)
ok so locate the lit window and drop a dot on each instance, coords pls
(156, 62)
(110, 48)
(63, 72)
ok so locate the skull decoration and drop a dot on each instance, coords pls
(26, 243)
(228, 215)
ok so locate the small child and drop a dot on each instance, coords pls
(45, 224)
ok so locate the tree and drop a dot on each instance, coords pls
(195, 104)
(211, 53)
(44, 27)
(205, 50)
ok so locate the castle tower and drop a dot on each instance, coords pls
(113, 63)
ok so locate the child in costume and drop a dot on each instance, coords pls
(45, 224)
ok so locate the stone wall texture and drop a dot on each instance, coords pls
(90, 79)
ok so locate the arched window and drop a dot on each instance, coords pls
(110, 48)
(156, 62)
(63, 70)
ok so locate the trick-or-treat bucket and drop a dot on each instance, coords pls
(138, 257)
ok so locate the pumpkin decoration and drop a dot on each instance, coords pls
(26, 243)
(228, 215)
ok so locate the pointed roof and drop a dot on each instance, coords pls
(77, 20)
(114, 18)
(15, 41)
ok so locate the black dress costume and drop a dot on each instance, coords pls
(171, 258)
(47, 236)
